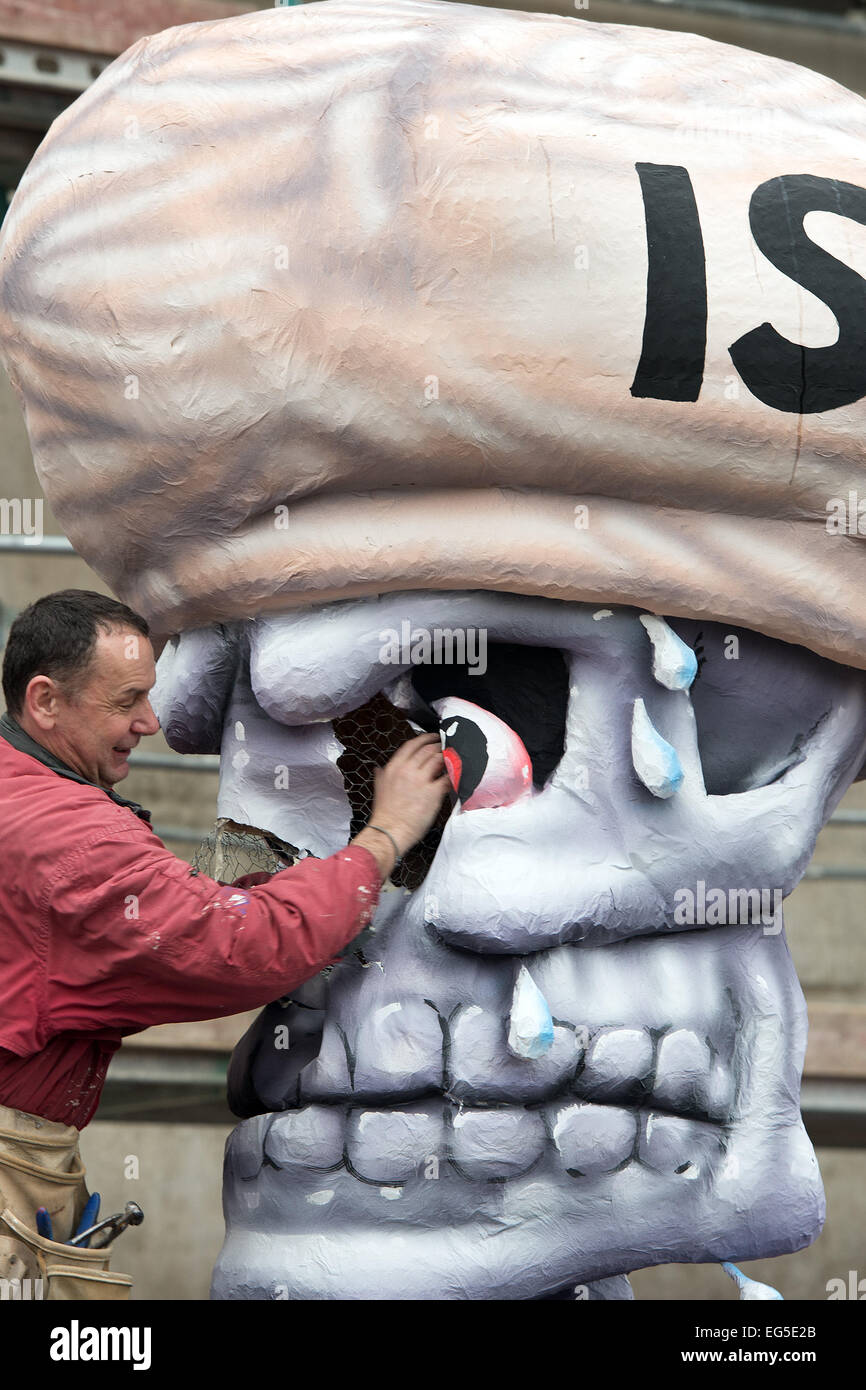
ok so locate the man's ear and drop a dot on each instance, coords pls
(40, 702)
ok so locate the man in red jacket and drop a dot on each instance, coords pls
(104, 932)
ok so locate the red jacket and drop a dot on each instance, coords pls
(104, 932)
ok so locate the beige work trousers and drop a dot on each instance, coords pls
(40, 1166)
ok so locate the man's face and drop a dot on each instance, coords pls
(96, 728)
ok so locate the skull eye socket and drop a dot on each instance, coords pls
(524, 687)
(757, 704)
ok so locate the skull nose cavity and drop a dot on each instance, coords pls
(655, 760)
(530, 1032)
(674, 663)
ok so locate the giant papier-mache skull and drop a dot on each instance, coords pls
(349, 330)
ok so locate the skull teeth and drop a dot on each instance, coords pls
(404, 1050)
(402, 1147)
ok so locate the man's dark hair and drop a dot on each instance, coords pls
(56, 636)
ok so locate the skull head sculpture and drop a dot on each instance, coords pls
(468, 344)
(574, 1049)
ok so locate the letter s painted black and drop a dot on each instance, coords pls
(785, 375)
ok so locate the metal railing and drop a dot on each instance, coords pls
(176, 762)
(45, 545)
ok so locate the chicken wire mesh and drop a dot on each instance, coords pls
(232, 850)
(370, 735)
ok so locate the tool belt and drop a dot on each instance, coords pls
(40, 1166)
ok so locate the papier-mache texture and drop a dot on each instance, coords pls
(353, 321)
(369, 295)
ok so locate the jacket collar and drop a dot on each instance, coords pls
(13, 733)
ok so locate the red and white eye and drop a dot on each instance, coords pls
(487, 763)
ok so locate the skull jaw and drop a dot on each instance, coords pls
(283, 1247)
(754, 1191)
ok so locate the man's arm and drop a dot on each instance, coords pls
(135, 937)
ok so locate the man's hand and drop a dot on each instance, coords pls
(407, 794)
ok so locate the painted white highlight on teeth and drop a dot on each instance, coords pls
(530, 1032)
(602, 613)
(321, 1199)
(240, 731)
(674, 663)
(655, 760)
(750, 1290)
(383, 1013)
(562, 1121)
